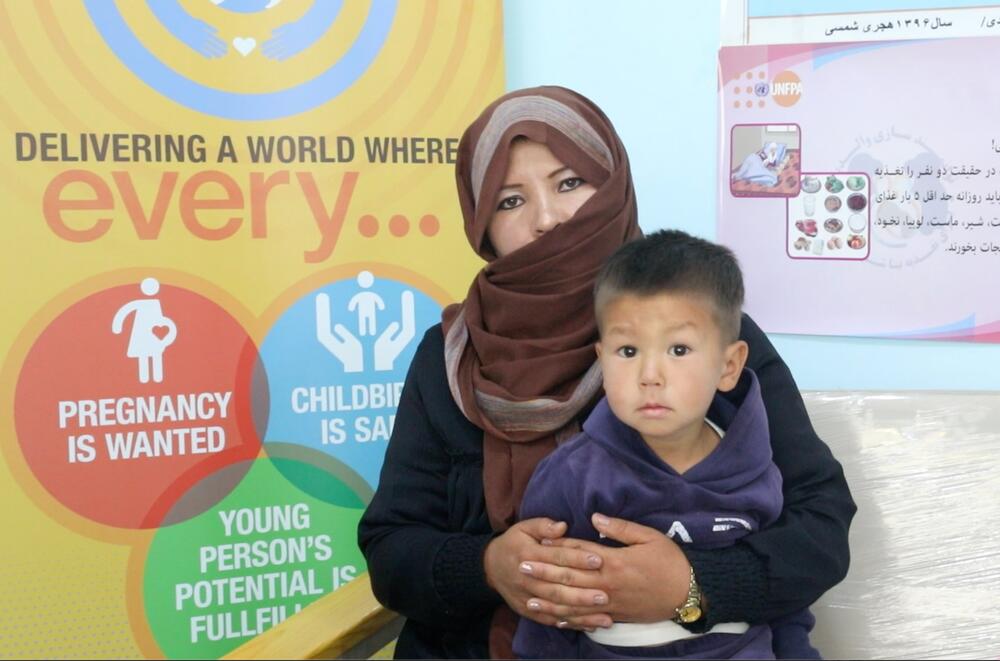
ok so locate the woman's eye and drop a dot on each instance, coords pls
(679, 350)
(511, 202)
(570, 184)
(627, 352)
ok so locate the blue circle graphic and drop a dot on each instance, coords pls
(242, 106)
(336, 361)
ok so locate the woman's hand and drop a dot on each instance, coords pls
(549, 583)
(645, 581)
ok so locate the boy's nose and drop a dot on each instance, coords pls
(651, 375)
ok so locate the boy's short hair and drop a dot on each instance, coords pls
(671, 261)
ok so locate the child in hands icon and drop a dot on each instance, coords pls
(151, 332)
(346, 347)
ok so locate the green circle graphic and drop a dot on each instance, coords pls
(261, 554)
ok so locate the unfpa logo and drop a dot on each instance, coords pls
(786, 88)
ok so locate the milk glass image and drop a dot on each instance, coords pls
(809, 204)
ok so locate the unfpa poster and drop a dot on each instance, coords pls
(228, 223)
(859, 185)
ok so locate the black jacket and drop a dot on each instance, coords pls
(425, 531)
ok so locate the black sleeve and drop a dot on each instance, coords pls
(418, 566)
(790, 564)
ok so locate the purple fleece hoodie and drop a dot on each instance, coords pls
(608, 468)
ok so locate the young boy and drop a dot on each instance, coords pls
(679, 443)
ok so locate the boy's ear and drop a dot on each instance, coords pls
(598, 349)
(735, 357)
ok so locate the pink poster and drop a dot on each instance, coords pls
(860, 186)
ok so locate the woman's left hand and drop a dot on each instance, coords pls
(646, 580)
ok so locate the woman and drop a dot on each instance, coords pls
(547, 195)
(759, 166)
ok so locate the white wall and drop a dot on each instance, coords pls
(651, 65)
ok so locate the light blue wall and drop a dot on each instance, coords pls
(650, 64)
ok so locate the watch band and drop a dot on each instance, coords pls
(690, 610)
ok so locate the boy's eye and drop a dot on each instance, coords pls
(509, 203)
(627, 352)
(570, 184)
(679, 350)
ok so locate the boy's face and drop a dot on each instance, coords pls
(663, 359)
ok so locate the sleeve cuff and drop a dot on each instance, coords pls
(460, 577)
(734, 583)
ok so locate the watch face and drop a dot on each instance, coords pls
(689, 614)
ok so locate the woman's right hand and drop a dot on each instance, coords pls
(510, 559)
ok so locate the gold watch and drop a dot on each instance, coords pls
(690, 610)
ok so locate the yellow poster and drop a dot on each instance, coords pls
(227, 225)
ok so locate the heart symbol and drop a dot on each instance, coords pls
(244, 45)
(161, 332)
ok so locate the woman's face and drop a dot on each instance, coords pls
(539, 193)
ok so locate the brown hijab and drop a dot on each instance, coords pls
(519, 350)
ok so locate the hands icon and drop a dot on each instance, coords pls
(196, 34)
(389, 344)
(344, 346)
(286, 40)
(293, 38)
